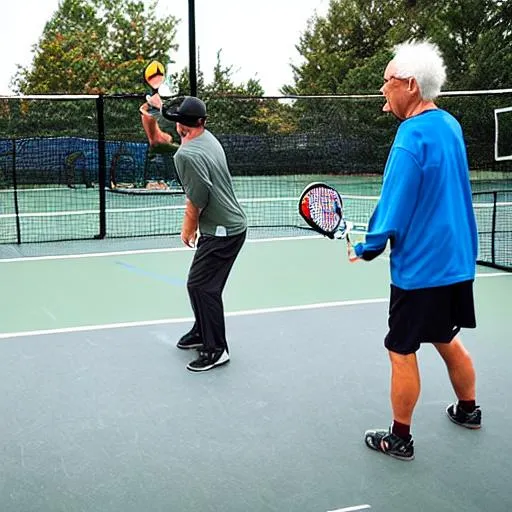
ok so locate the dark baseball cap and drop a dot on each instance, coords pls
(187, 112)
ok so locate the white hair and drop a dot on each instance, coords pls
(423, 61)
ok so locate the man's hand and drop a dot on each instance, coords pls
(190, 224)
(352, 256)
(189, 237)
(154, 100)
(143, 109)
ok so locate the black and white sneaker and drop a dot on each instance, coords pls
(472, 420)
(208, 360)
(190, 340)
(386, 442)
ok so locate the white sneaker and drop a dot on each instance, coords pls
(208, 360)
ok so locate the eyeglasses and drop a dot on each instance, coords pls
(386, 80)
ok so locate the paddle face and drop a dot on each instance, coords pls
(321, 207)
(154, 75)
(161, 86)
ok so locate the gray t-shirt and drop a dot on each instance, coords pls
(203, 170)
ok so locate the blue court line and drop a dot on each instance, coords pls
(173, 281)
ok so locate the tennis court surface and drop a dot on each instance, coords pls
(98, 412)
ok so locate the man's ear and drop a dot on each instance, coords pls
(413, 86)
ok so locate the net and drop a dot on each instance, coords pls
(128, 216)
(494, 218)
(71, 167)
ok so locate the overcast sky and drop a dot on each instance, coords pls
(257, 39)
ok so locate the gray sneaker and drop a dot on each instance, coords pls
(386, 442)
(465, 419)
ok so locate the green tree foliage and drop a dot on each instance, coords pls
(227, 115)
(466, 31)
(238, 107)
(491, 58)
(97, 46)
(91, 47)
(344, 51)
(351, 33)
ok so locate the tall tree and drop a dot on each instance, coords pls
(93, 46)
(352, 32)
(227, 114)
(466, 30)
(344, 51)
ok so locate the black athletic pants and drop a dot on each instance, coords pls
(208, 274)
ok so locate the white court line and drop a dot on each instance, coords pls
(248, 312)
(494, 274)
(91, 255)
(351, 509)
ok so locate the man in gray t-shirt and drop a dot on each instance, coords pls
(203, 171)
(212, 208)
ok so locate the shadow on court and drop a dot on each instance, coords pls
(111, 421)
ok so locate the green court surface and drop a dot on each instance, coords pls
(99, 413)
(71, 292)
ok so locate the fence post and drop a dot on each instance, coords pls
(15, 187)
(493, 236)
(102, 165)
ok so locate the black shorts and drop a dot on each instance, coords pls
(428, 315)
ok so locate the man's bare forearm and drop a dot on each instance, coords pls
(190, 223)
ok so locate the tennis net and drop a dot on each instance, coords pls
(59, 214)
(494, 218)
(71, 214)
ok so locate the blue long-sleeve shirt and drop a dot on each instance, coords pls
(425, 208)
